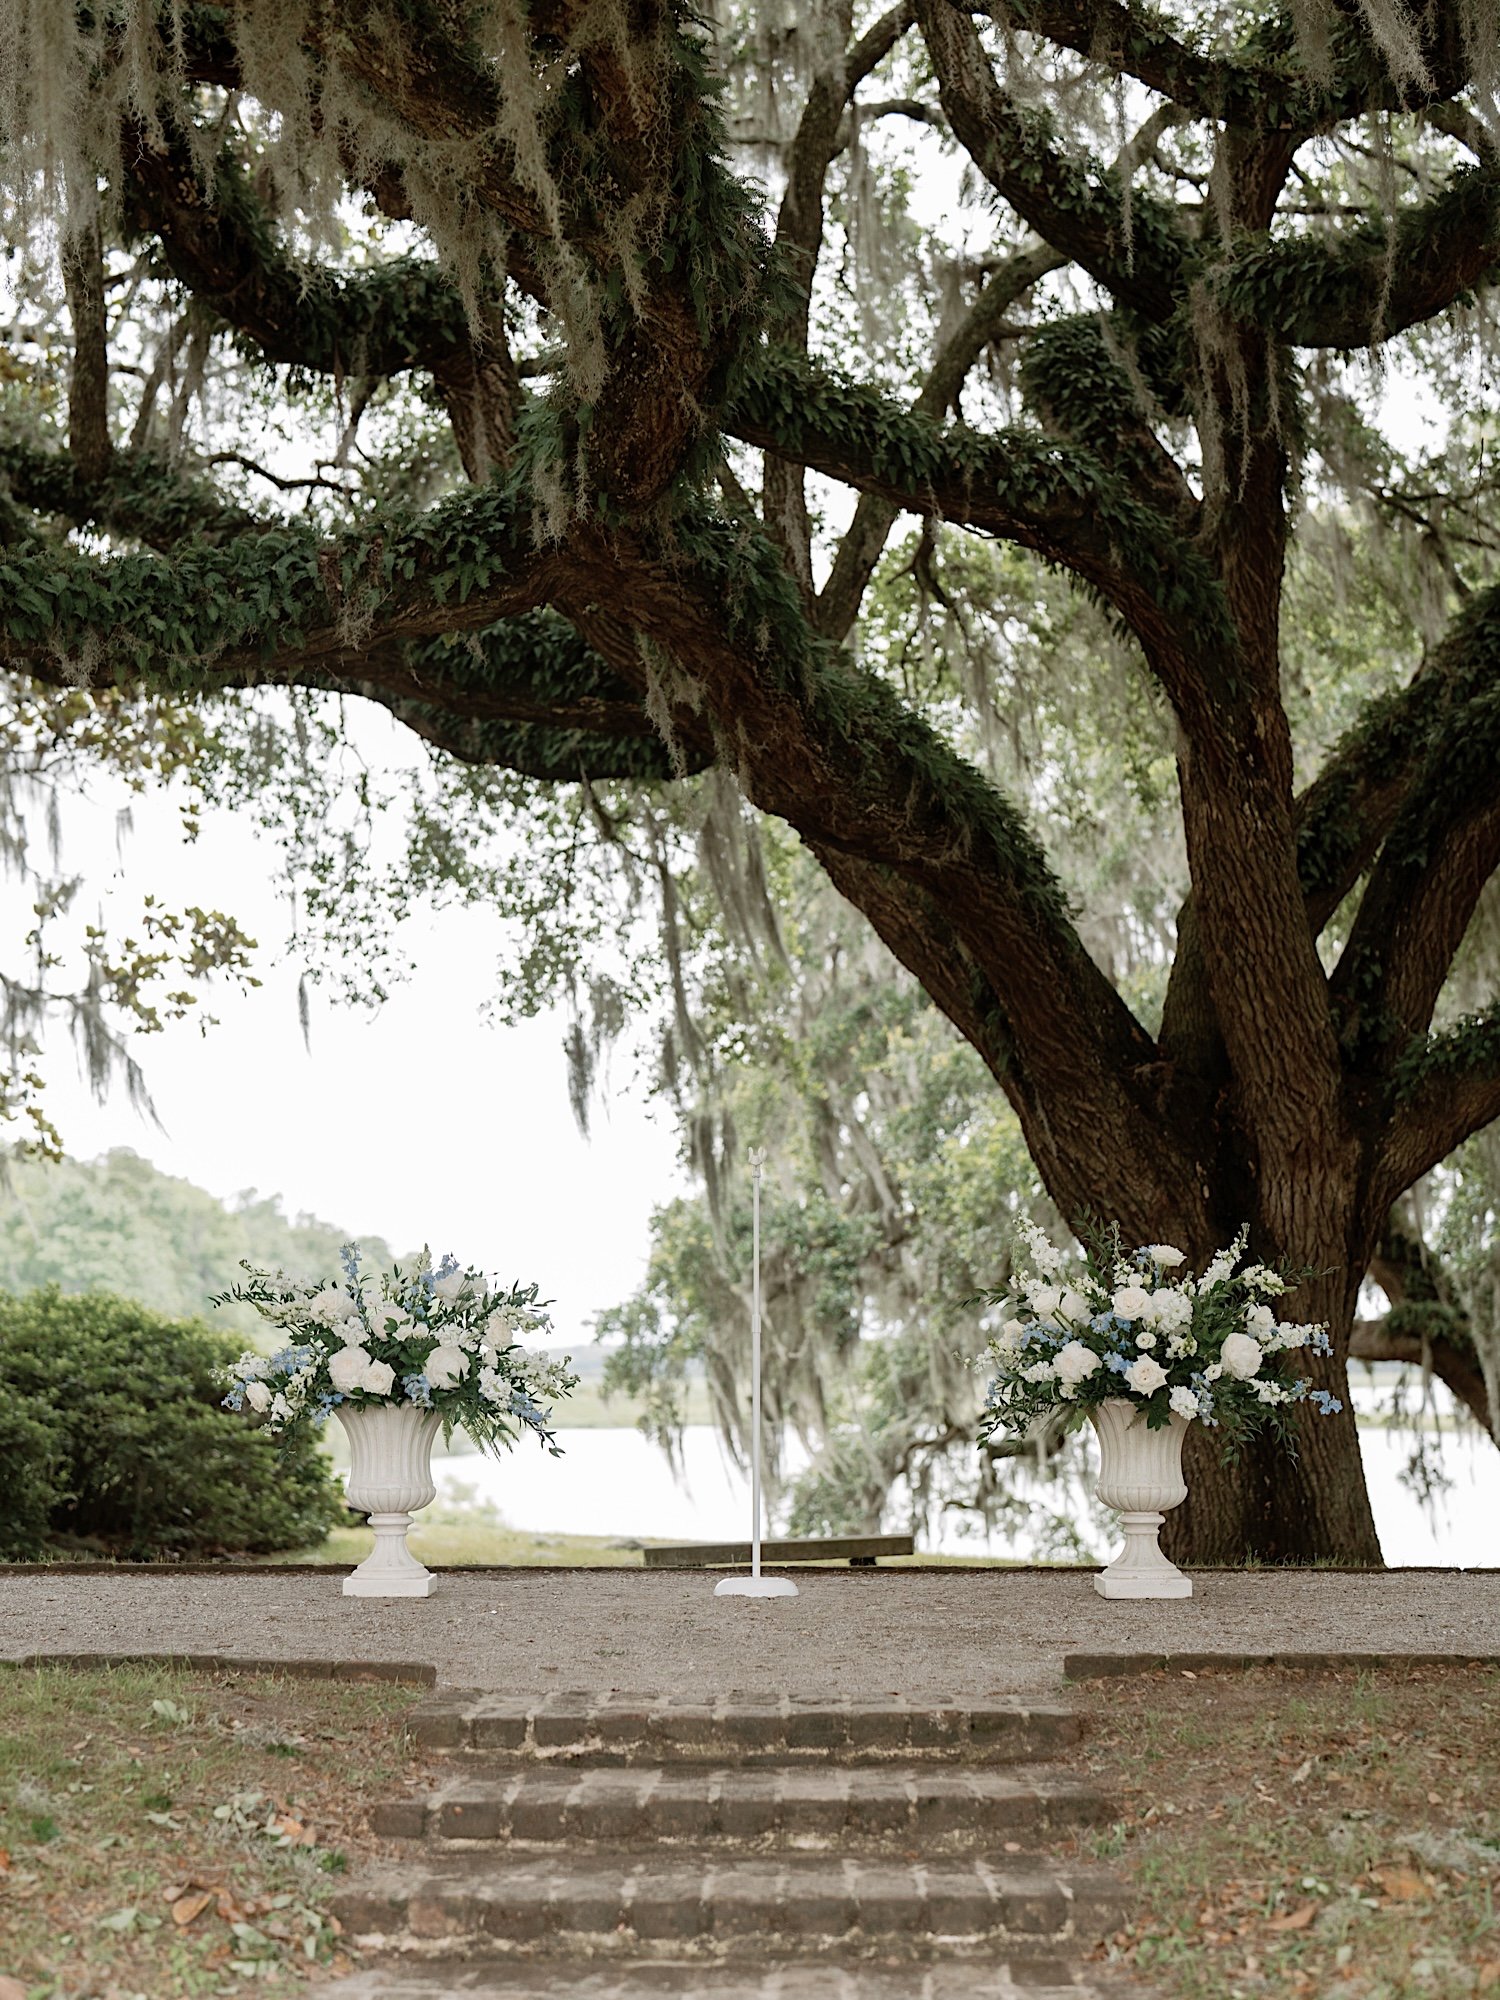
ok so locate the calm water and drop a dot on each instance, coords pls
(613, 1483)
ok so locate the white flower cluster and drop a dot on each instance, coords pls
(1119, 1325)
(437, 1337)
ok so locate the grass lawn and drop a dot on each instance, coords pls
(167, 1835)
(1288, 1835)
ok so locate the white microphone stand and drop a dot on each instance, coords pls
(755, 1585)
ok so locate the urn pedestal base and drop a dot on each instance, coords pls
(1140, 1569)
(390, 1569)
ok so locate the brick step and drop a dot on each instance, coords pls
(639, 1729)
(1014, 1978)
(810, 1806)
(691, 1905)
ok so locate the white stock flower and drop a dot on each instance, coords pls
(445, 1367)
(1145, 1376)
(1165, 1256)
(258, 1396)
(1288, 1334)
(493, 1386)
(500, 1325)
(1261, 1321)
(1131, 1302)
(1170, 1308)
(346, 1369)
(1184, 1402)
(1040, 1371)
(378, 1378)
(1074, 1363)
(1241, 1356)
(281, 1409)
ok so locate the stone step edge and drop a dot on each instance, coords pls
(740, 1907)
(1111, 1666)
(711, 1805)
(1019, 1975)
(404, 1672)
(613, 1725)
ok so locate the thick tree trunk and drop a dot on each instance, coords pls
(1269, 1505)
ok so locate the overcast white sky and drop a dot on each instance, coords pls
(418, 1123)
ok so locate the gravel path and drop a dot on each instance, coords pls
(923, 1634)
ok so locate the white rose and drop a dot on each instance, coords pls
(258, 1396)
(1045, 1299)
(1130, 1302)
(1073, 1306)
(1184, 1402)
(1261, 1321)
(346, 1369)
(1165, 1257)
(1146, 1340)
(498, 1325)
(1241, 1356)
(378, 1378)
(386, 1312)
(1212, 1372)
(445, 1366)
(451, 1288)
(1145, 1376)
(1074, 1362)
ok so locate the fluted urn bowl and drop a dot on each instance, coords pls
(1140, 1474)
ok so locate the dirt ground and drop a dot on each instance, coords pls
(925, 1634)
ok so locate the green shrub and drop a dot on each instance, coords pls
(122, 1445)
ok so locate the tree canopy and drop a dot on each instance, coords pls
(559, 277)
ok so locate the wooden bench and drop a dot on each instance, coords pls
(859, 1551)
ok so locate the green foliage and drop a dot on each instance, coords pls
(117, 1224)
(143, 1460)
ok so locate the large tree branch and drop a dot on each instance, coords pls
(799, 239)
(140, 496)
(1076, 208)
(88, 381)
(1255, 93)
(1364, 285)
(1447, 1089)
(1052, 498)
(859, 551)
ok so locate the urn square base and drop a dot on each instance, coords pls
(1175, 1585)
(390, 1586)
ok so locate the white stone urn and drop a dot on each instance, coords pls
(1140, 1473)
(390, 1476)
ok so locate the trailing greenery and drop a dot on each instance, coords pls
(124, 1448)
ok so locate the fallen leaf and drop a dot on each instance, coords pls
(11, 1989)
(186, 1908)
(1489, 1975)
(4, 1866)
(1400, 1885)
(1294, 1920)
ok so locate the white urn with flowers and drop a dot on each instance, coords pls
(1141, 1353)
(398, 1356)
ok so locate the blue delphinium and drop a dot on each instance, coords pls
(418, 1390)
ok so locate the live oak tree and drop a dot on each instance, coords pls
(606, 314)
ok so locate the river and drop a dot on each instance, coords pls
(614, 1483)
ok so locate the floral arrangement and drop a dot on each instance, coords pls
(1208, 1346)
(437, 1337)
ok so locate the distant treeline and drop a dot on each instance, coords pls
(118, 1225)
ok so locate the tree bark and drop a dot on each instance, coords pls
(1272, 1505)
